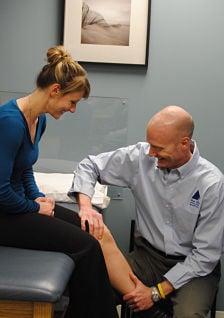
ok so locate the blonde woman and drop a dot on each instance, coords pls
(28, 219)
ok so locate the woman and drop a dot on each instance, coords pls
(28, 219)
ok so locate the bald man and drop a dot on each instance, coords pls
(179, 198)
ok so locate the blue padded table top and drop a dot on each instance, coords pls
(30, 275)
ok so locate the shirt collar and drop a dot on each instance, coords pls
(189, 165)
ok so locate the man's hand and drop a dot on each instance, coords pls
(95, 221)
(140, 297)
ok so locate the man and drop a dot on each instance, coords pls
(179, 200)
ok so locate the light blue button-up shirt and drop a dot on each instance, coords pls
(180, 212)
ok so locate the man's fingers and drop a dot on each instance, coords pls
(95, 228)
(129, 298)
(92, 222)
(83, 224)
(91, 226)
(134, 304)
(98, 229)
(101, 230)
(133, 278)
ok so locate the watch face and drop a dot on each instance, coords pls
(155, 295)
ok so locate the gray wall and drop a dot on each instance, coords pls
(185, 68)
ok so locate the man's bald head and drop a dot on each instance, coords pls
(174, 117)
(169, 135)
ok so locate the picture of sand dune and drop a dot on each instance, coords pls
(106, 22)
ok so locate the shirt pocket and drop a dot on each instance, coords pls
(185, 221)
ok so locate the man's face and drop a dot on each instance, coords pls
(167, 146)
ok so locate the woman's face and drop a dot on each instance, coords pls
(61, 104)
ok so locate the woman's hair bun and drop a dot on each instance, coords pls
(64, 70)
(57, 54)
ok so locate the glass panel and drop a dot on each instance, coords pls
(5, 95)
(99, 125)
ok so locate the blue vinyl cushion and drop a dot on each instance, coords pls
(30, 275)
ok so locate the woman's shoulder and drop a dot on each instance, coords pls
(9, 104)
(9, 109)
(10, 115)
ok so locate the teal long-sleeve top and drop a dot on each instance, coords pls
(18, 153)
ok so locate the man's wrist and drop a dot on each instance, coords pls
(84, 201)
(167, 287)
(160, 291)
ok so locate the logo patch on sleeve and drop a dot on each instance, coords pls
(195, 200)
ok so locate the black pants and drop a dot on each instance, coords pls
(90, 291)
(194, 299)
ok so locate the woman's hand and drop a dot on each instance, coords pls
(95, 221)
(47, 205)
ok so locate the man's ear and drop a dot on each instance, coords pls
(55, 89)
(186, 142)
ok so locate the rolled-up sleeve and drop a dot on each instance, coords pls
(111, 168)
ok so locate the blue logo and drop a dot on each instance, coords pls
(195, 200)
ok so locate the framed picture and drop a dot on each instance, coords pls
(107, 31)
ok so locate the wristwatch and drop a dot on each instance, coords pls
(155, 294)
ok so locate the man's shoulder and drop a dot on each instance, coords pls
(209, 170)
(141, 145)
(138, 149)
